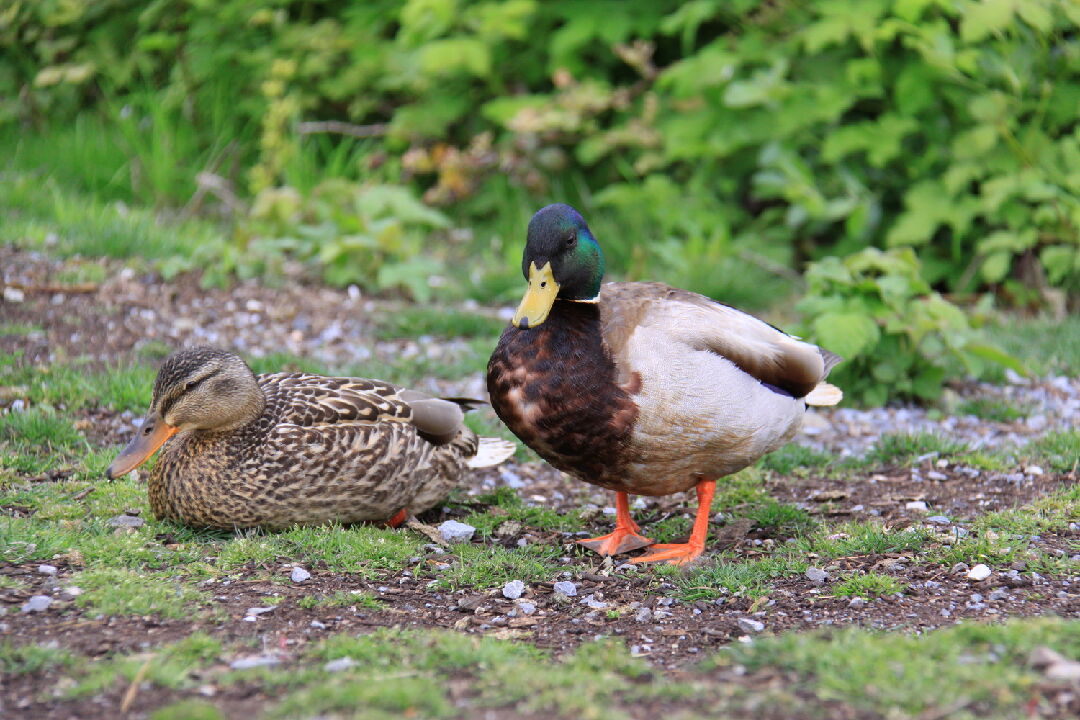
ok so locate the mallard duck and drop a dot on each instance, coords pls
(280, 449)
(640, 387)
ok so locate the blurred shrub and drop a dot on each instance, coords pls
(899, 339)
(794, 129)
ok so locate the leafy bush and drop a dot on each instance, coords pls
(898, 338)
(730, 134)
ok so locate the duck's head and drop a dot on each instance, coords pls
(200, 388)
(561, 260)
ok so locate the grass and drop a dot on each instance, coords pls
(793, 457)
(1059, 451)
(975, 670)
(904, 448)
(868, 585)
(114, 591)
(32, 658)
(995, 409)
(341, 598)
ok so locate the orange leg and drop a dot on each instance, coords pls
(680, 553)
(397, 519)
(626, 536)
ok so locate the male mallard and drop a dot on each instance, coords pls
(280, 449)
(640, 387)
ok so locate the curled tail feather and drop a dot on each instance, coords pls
(824, 394)
(491, 452)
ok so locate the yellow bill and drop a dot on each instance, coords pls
(151, 435)
(539, 298)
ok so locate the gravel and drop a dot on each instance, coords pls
(453, 531)
(1053, 403)
(299, 575)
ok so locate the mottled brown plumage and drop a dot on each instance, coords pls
(281, 449)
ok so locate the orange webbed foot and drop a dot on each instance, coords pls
(621, 540)
(627, 535)
(398, 518)
(673, 553)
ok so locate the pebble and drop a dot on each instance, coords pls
(340, 664)
(593, 602)
(14, 295)
(1033, 470)
(47, 569)
(513, 589)
(916, 505)
(565, 587)
(318, 625)
(37, 603)
(857, 602)
(453, 531)
(260, 610)
(750, 625)
(126, 521)
(526, 607)
(979, 573)
(938, 520)
(643, 615)
(254, 661)
(299, 575)
(816, 575)
(935, 475)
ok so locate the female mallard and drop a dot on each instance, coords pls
(640, 387)
(281, 449)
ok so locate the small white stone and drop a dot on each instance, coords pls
(47, 569)
(299, 574)
(14, 295)
(513, 589)
(916, 505)
(749, 625)
(260, 610)
(453, 531)
(526, 607)
(566, 587)
(1033, 470)
(254, 661)
(816, 575)
(979, 573)
(340, 664)
(37, 603)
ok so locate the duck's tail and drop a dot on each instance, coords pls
(491, 451)
(824, 394)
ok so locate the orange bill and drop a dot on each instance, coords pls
(151, 435)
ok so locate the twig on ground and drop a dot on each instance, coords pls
(133, 688)
(426, 530)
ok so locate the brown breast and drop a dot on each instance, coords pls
(555, 388)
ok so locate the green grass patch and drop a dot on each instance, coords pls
(794, 457)
(1058, 451)
(781, 519)
(488, 566)
(188, 710)
(977, 670)
(19, 329)
(724, 576)
(508, 506)
(342, 598)
(991, 408)
(1045, 345)
(412, 322)
(171, 666)
(32, 658)
(113, 591)
(44, 430)
(903, 448)
(868, 585)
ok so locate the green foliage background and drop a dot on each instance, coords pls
(722, 145)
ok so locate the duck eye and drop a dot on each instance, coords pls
(191, 385)
(570, 240)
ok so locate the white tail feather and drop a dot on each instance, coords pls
(824, 394)
(491, 451)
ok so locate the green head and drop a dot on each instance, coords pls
(562, 259)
